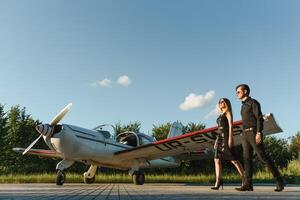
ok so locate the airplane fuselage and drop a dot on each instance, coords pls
(92, 147)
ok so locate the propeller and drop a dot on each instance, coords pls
(47, 129)
(31, 145)
(60, 115)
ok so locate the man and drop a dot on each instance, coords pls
(252, 139)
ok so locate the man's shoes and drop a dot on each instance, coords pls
(245, 188)
(279, 184)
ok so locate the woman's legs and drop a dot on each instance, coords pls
(239, 168)
(218, 169)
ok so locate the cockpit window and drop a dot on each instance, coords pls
(144, 139)
(106, 130)
(128, 138)
(106, 134)
(134, 139)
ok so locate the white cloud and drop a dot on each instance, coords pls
(214, 113)
(105, 82)
(197, 101)
(124, 80)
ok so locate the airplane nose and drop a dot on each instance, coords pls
(39, 128)
(44, 129)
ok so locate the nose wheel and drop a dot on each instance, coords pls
(60, 178)
(89, 180)
(60, 167)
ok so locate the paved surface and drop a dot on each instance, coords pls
(147, 191)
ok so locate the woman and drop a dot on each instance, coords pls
(224, 142)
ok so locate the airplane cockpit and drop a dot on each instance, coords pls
(134, 139)
(106, 130)
(128, 137)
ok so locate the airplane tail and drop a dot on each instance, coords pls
(176, 129)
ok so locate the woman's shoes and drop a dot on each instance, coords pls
(219, 183)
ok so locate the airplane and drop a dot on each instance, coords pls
(99, 147)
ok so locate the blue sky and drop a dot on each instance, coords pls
(56, 52)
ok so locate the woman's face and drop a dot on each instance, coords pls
(222, 104)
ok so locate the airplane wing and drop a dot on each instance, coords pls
(40, 152)
(189, 143)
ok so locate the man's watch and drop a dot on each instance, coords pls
(258, 133)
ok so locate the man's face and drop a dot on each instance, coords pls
(240, 93)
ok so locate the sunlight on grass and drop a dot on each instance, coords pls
(292, 175)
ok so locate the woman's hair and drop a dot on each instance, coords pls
(228, 104)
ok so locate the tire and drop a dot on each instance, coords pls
(138, 178)
(89, 180)
(60, 178)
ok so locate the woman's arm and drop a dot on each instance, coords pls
(216, 142)
(230, 125)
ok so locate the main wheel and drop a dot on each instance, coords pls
(89, 180)
(60, 178)
(138, 178)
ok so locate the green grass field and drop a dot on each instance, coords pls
(292, 176)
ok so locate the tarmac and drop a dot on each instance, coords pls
(142, 192)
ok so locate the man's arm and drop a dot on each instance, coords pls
(258, 115)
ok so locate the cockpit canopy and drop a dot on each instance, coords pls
(134, 139)
(106, 130)
(128, 137)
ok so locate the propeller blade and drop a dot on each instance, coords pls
(60, 115)
(31, 145)
(40, 128)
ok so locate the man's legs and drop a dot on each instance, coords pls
(247, 156)
(260, 151)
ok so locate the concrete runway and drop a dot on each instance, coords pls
(147, 192)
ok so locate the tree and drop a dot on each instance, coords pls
(20, 133)
(161, 131)
(295, 146)
(133, 126)
(3, 121)
(191, 127)
(11, 138)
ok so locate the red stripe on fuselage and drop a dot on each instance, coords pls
(203, 131)
(194, 133)
(42, 152)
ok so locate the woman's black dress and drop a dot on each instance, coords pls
(223, 151)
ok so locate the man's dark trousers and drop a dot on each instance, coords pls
(249, 144)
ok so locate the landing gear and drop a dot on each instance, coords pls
(89, 176)
(60, 178)
(60, 167)
(138, 178)
(89, 180)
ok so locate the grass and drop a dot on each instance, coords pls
(260, 177)
(291, 173)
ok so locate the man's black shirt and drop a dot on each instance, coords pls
(251, 114)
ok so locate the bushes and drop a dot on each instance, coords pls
(17, 129)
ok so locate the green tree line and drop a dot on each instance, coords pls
(17, 129)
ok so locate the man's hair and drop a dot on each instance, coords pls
(244, 87)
